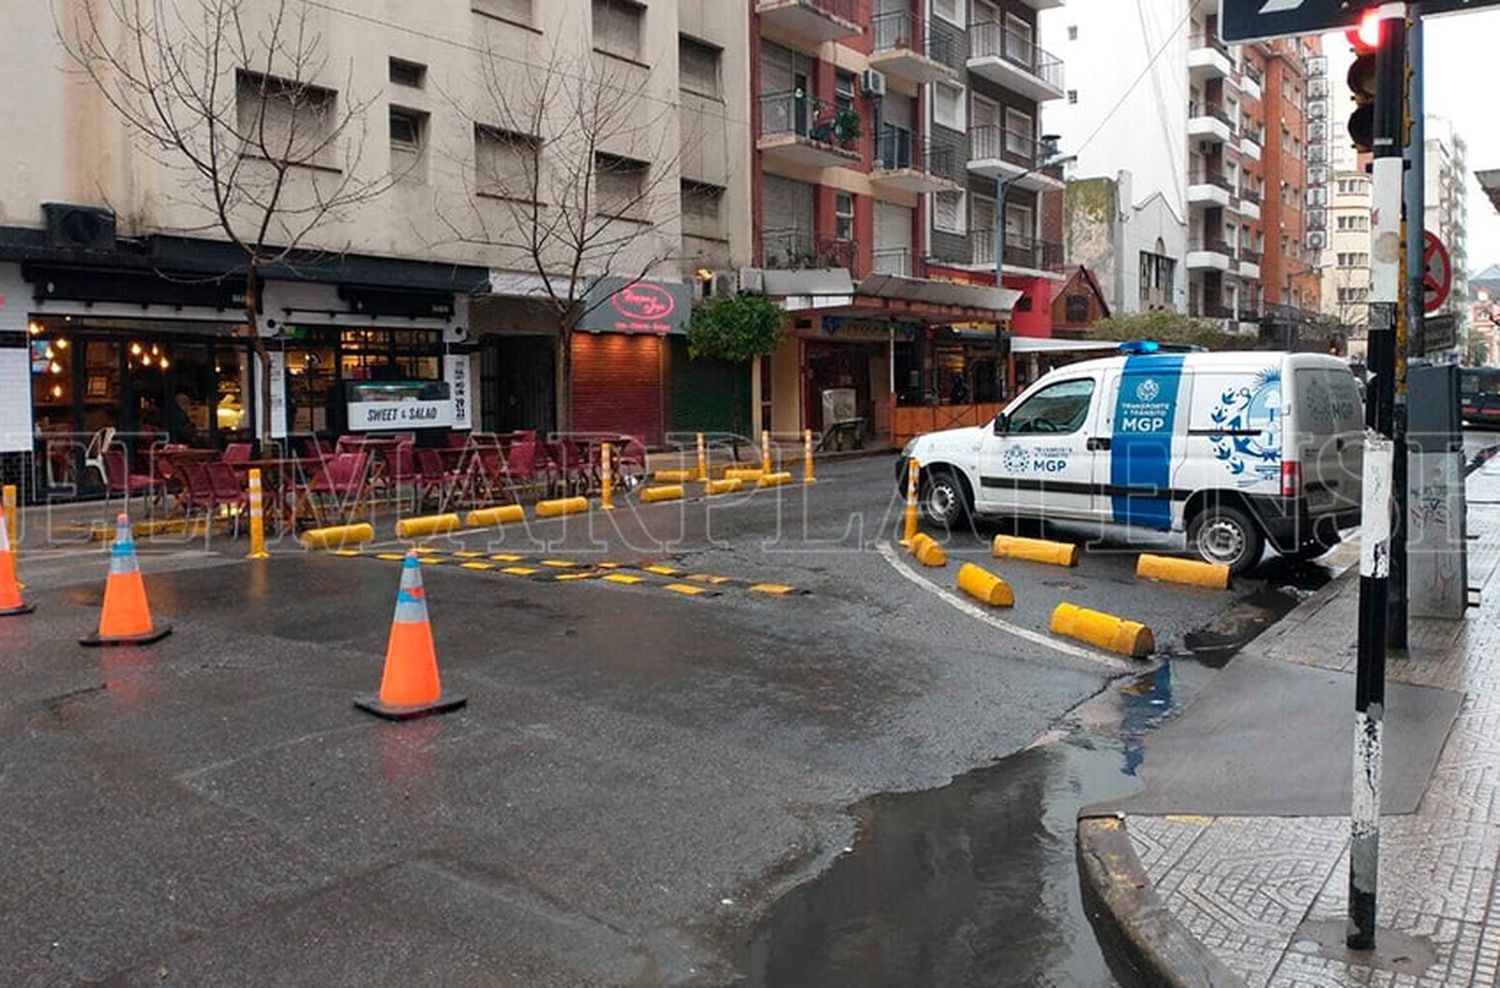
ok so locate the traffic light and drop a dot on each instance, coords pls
(1366, 42)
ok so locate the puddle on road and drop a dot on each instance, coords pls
(1286, 586)
(972, 884)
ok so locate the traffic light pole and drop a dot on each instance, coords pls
(1415, 217)
(1375, 535)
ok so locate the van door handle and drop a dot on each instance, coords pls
(1097, 443)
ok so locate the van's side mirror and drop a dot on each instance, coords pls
(1002, 424)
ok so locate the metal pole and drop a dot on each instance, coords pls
(1374, 561)
(1415, 212)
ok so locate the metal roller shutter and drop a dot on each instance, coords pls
(617, 384)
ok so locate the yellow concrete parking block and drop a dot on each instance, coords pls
(468, 554)
(559, 563)
(347, 553)
(423, 550)
(396, 557)
(777, 589)
(624, 578)
(520, 571)
(688, 590)
(478, 565)
(506, 557)
(662, 570)
(710, 578)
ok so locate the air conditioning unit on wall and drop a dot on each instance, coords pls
(79, 227)
(874, 83)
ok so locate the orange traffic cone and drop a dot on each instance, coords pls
(410, 687)
(126, 618)
(11, 603)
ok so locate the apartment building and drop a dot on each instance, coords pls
(1446, 203)
(123, 300)
(1201, 169)
(873, 212)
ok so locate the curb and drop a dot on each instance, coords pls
(1155, 943)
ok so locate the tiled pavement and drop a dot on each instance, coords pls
(1246, 886)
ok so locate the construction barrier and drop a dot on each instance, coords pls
(557, 507)
(913, 472)
(416, 528)
(651, 495)
(257, 518)
(1035, 550)
(723, 487)
(410, 686)
(807, 458)
(338, 536)
(774, 480)
(985, 586)
(674, 476)
(11, 602)
(927, 551)
(744, 473)
(503, 514)
(125, 618)
(1104, 630)
(1192, 572)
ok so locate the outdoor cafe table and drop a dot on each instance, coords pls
(279, 480)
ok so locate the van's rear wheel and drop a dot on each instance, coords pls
(1226, 535)
(945, 499)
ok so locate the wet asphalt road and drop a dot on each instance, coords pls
(647, 787)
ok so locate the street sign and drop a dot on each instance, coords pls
(1437, 272)
(1439, 333)
(1258, 20)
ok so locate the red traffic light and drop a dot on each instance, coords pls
(1366, 37)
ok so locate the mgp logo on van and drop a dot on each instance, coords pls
(1148, 413)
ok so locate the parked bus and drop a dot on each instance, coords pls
(1479, 395)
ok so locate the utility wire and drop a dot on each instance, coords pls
(1132, 87)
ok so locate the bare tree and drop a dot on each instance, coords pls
(574, 163)
(231, 98)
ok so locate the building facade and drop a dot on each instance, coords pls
(1213, 151)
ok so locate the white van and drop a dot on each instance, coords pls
(1236, 449)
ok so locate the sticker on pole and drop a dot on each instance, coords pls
(1437, 272)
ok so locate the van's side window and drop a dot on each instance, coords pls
(1060, 408)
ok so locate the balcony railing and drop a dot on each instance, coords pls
(1211, 108)
(1250, 196)
(844, 9)
(1210, 310)
(1020, 252)
(1212, 177)
(1252, 73)
(996, 40)
(1247, 255)
(947, 43)
(795, 249)
(1208, 39)
(804, 115)
(892, 260)
(899, 149)
(1213, 245)
(991, 142)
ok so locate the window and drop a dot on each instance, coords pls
(515, 11)
(404, 73)
(1055, 410)
(948, 211)
(1020, 225)
(948, 106)
(843, 91)
(617, 28)
(406, 127)
(698, 66)
(1077, 306)
(1018, 135)
(843, 216)
(620, 184)
(1072, 32)
(949, 10)
(702, 206)
(1073, 96)
(505, 163)
(286, 121)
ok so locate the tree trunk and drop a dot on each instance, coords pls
(563, 368)
(258, 347)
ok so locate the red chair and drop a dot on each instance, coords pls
(571, 466)
(238, 452)
(433, 477)
(341, 479)
(226, 492)
(119, 480)
(403, 470)
(526, 465)
(197, 488)
(631, 468)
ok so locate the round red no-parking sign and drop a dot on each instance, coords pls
(1437, 272)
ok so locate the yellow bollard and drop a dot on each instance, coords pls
(732, 486)
(653, 494)
(807, 458)
(557, 507)
(913, 471)
(673, 476)
(985, 586)
(338, 536)
(504, 514)
(765, 450)
(606, 478)
(1105, 630)
(1034, 550)
(413, 528)
(12, 522)
(744, 473)
(702, 459)
(773, 479)
(928, 552)
(1194, 573)
(257, 518)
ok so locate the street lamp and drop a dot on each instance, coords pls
(1049, 159)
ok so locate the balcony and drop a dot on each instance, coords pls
(1210, 188)
(1251, 82)
(1209, 254)
(1210, 121)
(798, 129)
(902, 50)
(892, 260)
(1250, 147)
(997, 153)
(1248, 263)
(911, 164)
(1208, 58)
(1250, 204)
(816, 20)
(1011, 59)
(800, 250)
(1023, 255)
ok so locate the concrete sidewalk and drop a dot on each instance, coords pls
(1267, 895)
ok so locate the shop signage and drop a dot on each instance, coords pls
(277, 370)
(15, 414)
(457, 375)
(367, 416)
(620, 305)
(866, 330)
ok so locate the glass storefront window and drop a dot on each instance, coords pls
(232, 395)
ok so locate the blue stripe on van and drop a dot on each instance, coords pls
(1141, 446)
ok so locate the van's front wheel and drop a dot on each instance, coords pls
(945, 499)
(1226, 535)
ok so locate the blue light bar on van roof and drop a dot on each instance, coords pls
(1140, 346)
